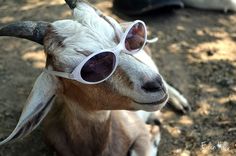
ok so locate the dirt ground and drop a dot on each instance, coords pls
(196, 53)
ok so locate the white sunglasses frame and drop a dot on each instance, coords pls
(76, 73)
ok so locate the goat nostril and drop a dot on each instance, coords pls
(153, 86)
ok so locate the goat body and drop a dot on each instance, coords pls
(116, 134)
(76, 127)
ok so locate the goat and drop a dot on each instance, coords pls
(225, 5)
(97, 119)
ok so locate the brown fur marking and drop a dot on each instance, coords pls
(77, 127)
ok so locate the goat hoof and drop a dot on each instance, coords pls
(180, 104)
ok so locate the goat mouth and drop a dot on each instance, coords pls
(156, 102)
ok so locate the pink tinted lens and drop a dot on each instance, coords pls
(98, 67)
(135, 38)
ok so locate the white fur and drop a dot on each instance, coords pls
(99, 116)
(153, 149)
(143, 115)
(178, 100)
(90, 32)
(155, 144)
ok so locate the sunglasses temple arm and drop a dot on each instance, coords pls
(152, 40)
(59, 74)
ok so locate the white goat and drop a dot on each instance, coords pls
(91, 120)
(225, 5)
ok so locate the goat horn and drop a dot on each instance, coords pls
(72, 3)
(34, 31)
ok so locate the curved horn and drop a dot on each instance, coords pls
(34, 31)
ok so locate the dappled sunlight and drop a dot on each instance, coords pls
(185, 120)
(106, 8)
(32, 4)
(221, 46)
(173, 131)
(208, 148)
(212, 90)
(104, 5)
(205, 150)
(208, 106)
(6, 19)
(217, 50)
(225, 100)
(214, 132)
(34, 10)
(167, 115)
(203, 108)
(213, 32)
(207, 88)
(180, 28)
(36, 57)
(181, 152)
(174, 48)
(225, 21)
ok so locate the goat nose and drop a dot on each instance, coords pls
(154, 85)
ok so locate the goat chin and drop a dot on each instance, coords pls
(225, 5)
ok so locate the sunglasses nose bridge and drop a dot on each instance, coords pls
(117, 50)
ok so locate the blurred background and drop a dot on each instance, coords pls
(196, 53)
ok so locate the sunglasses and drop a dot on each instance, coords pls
(99, 66)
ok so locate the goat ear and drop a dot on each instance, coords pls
(37, 106)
